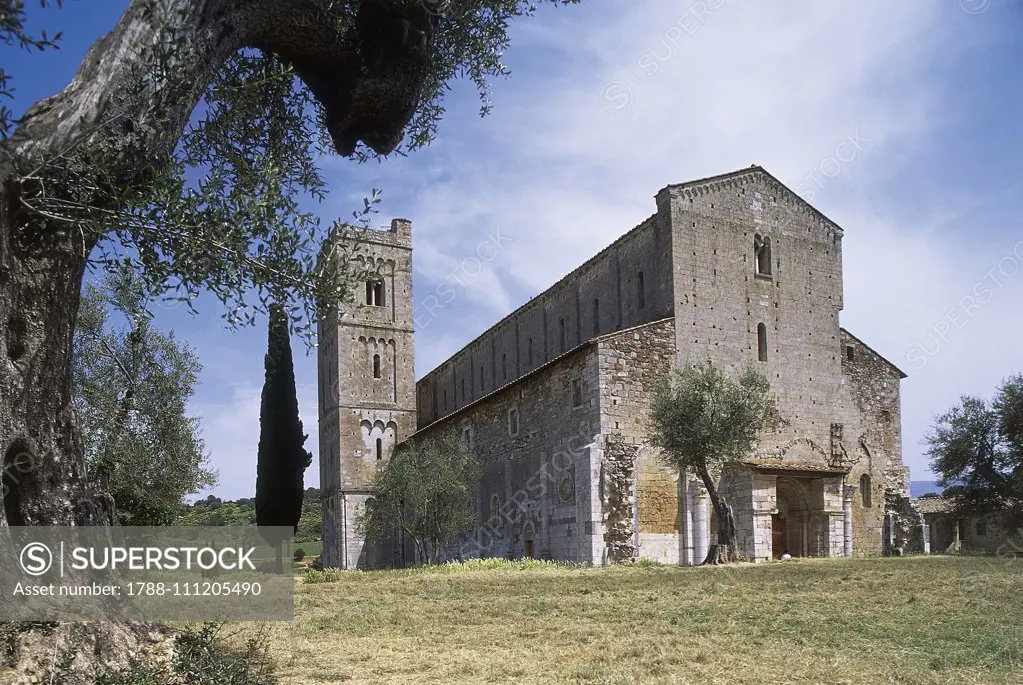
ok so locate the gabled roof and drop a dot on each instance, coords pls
(764, 174)
(902, 374)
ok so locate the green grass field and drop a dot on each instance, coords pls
(905, 620)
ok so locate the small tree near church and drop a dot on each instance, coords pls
(282, 459)
(426, 492)
(704, 421)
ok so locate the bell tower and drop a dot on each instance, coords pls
(367, 390)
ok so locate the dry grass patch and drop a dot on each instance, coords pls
(910, 620)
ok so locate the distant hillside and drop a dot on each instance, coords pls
(920, 487)
(214, 511)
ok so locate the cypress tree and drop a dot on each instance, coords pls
(282, 459)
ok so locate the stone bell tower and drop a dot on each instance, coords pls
(367, 391)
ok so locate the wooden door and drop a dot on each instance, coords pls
(777, 536)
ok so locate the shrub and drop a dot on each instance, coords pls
(299, 554)
(202, 657)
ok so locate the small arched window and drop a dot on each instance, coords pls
(380, 449)
(376, 366)
(529, 351)
(495, 507)
(640, 291)
(596, 316)
(762, 342)
(561, 326)
(762, 255)
(866, 496)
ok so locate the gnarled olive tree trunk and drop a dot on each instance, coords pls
(725, 550)
(118, 119)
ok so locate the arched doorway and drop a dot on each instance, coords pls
(789, 526)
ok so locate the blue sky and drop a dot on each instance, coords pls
(900, 121)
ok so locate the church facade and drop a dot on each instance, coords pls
(555, 398)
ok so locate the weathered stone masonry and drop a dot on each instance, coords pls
(736, 269)
(366, 392)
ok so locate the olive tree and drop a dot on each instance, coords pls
(976, 448)
(181, 149)
(131, 386)
(426, 492)
(705, 421)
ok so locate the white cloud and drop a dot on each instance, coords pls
(779, 84)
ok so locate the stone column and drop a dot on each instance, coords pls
(701, 523)
(925, 536)
(847, 507)
(686, 541)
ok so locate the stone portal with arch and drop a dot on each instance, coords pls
(790, 527)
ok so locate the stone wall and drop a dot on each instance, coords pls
(541, 454)
(903, 533)
(618, 501)
(633, 365)
(763, 506)
(872, 438)
(737, 488)
(583, 477)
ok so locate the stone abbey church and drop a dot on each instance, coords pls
(555, 398)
